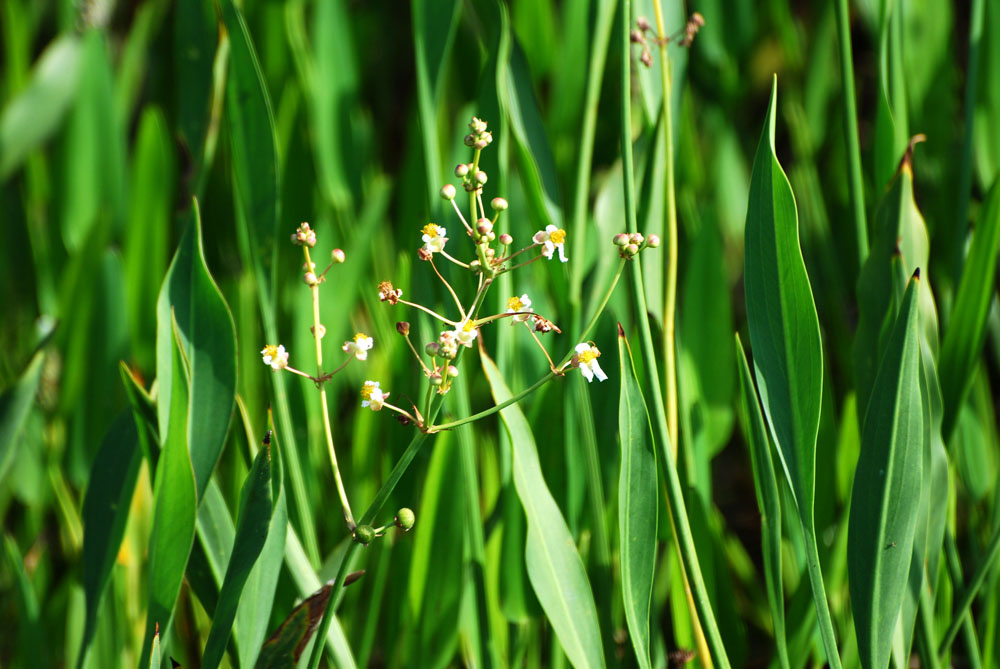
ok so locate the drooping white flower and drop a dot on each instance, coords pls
(519, 306)
(434, 238)
(275, 356)
(466, 333)
(359, 346)
(372, 396)
(552, 239)
(586, 359)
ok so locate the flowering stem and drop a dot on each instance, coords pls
(458, 211)
(457, 262)
(416, 355)
(317, 335)
(450, 289)
(490, 319)
(517, 253)
(303, 374)
(526, 262)
(432, 313)
(402, 412)
(538, 341)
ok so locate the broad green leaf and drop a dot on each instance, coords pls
(15, 404)
(886, 495)
(554, 566)
(37, 112)
(105, 511)
(637, 504)
(144, 411)
(195, 38)
(207, 335)
(251, 532)
(891, 127)
(285, 646)
(768, 501)
(784, 329)
(963, 340)
(154, 652)
(175, 501)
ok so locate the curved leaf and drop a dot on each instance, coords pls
(15, 405)
(887, 487)
(784, 328)
(554, 566)
(637, 504)
(207, 336)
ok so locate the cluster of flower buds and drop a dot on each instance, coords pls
(479, 137)
(473, 180)
(304, 236)
(629, 245)
(683, 37)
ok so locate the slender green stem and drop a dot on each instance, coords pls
(327, 429)
(429, 311)
(670, 211)
(974, 656)
(965, 167)
(850, 112)
(698, 601)
(451, 291)
(819, 596)
(331, 605)
(961, 613)
(925, 627)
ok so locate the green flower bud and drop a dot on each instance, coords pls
(461, 170)
(364, 534)
(405, 519)
(481, 177)
(337, 256)
(652, 241)
(448, 192)
(498, 204)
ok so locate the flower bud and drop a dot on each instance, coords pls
(364, 534)
(646, 58)
(484, 226)
(506, 239)
(470, 139)
(452, 371)
(461, 170)
(435, 379)
(432, 349)
(405, 519)
(635, 37)
(498, 204)
(481, 177)
(480, 144)
(643, 23)
(652, 241)
(447, 192)
(310, 278)
(337, 256)
(621, 239)
(403, 328)
(635, 238)
(631, 249)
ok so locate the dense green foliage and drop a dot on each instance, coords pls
(821, 180)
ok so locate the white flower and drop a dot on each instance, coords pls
(466, 333)
(359, 346)
(586, 359)
(519, 305)
(372, 396)
(434, 238)
(276, 356)
(551, 238)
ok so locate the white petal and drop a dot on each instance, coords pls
(548, 249)
(562, 253)
(598, 372)
(582, 348)
(587, 373)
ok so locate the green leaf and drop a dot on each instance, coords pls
(285, 646)
(963, 340)
(768, 501)
(38, 111)
(30, 634)
(251, 532)
(15, 405)
(154, 652)
(105, 511)
(208, 337)
(784, 328)
(196, 35)
(891, 126)
(554, 566)
(637, 504)
(887, 486)
(175, 500)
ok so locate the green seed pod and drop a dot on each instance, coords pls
(364, 534)
(405, 519)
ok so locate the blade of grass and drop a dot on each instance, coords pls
(960, 614)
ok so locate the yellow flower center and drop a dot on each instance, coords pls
(359, 336)
(557, 237)
(588, 356)
(469, 326)
(515, 304)
(430, 230)
(366, 391)
(270, 350)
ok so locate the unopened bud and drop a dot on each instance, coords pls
(310, 278)
(435, 379)
(364, 534)
(506, 239)
(481, 177)
(337, 256)
(631, 249)
(403, 328)
(484, 226)
(621, 239)
(652, 241)
(452, 371)
(470, 139)
(448, 192)
(636, 37)
(643, 23)
(499, 204)
(461, 170)
(432, 349)
(480, 144)
(646, 58)
(635, 238)
(405, 519)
